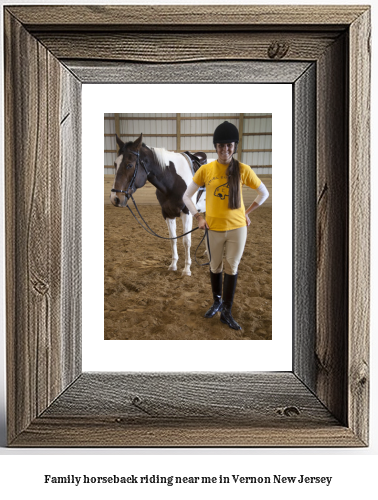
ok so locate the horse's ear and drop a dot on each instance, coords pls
(138, 142)
(119, 142)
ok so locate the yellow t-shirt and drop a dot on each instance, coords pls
(218, 216)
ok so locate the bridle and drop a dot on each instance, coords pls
(131, 185)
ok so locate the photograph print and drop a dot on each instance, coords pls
(188, 226)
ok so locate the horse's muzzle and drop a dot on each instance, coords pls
(119, 199)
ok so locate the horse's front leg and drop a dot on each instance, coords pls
(171, 223)
(187, 225)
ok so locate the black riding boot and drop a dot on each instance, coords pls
(216, 286)
(229, 288)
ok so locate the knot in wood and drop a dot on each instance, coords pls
(289, 411)
(363, 381)
(140, 404)
(277, 50)
(41, 287)
(136, 400)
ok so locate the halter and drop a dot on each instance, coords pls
(134, 175)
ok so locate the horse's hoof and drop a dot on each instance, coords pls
(172, 267)
(186, 273)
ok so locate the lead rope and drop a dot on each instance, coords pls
(152, 233)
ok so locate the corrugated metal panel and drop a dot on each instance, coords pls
(110, 143)
(109, 159)
(249, 195)
(255, 123)
(130, 129)
(109, 126)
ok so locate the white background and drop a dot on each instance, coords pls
(353, 470)
(182, 355)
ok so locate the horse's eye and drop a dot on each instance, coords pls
(129, 166)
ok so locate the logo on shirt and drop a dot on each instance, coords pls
(222, 191)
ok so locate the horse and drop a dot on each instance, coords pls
(170, 173)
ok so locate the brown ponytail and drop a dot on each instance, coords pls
(233, 172)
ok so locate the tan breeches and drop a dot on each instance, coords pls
(230, 244)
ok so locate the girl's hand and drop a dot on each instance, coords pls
(202, 224)
(247, 219)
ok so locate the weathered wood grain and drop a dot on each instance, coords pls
(198, 72)
(192, 409)
(185, 47)
(33, 209)
(359, 227)
(184, 16)
(332, 230)
(239, 397)
(94, 432)
(325, 405)
(71, 199)
(38, 351)
(304, 227)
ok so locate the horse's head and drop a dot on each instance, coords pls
(130, 172)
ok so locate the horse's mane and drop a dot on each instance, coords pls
(160, 154)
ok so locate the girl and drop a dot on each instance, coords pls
(226, 217)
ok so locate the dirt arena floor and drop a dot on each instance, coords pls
(145, 301)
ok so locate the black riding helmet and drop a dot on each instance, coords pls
(225, 132)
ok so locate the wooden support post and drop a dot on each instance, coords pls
(117, 127)
(178, 132)
(241, 122)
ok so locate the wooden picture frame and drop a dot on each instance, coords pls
(324, 51)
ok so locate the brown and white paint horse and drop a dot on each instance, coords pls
(170, 173)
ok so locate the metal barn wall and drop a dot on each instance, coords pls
(192, 132)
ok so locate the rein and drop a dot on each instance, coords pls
(152, 233)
